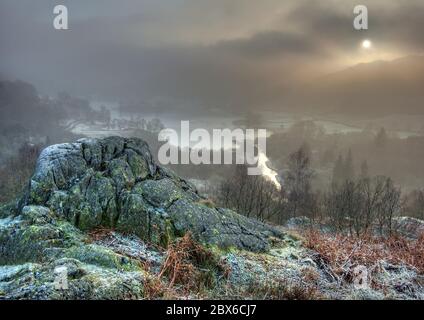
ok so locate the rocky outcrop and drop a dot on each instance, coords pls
(96, 210)
(108, 184)
(115, 183)
(35, 243)
(298, 223)
(409, 227)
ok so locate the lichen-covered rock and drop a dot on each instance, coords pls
(114, 183)
(84, 281)
(221, 227)
(298, 223)
(34, 243)
(7, 209)
(409, 227)
(37, 243)
(110, 183)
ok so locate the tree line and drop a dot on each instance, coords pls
(357, 204)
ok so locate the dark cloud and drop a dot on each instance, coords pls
(195, 53)
(395, 24)
(272, 44)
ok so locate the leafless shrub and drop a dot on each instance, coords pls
(191, 266)
(281, 290)
(342, 253)
(359, 206)
(253, 196)
(17, 170)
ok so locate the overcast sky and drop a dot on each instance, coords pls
(214, 53)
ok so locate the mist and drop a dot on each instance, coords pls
(295, 68)
(305, 180)
(190, 55)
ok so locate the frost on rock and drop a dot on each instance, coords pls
(104, 212)
(115, 183)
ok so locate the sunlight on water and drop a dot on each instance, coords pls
(267, 172)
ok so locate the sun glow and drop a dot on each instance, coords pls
(366, 44)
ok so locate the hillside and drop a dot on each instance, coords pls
(119, 226)
(379, 88)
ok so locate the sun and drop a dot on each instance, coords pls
(366, 44)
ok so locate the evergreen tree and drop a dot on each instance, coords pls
(381, 139)
(338, 171)
(349, 171)
(364, 170)
(298, 182)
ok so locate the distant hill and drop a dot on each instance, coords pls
(369, 89)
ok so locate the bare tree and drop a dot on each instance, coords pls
(301, 200)
(17, 170)
(253, 196)
(390, 205)
(343, 206)
(415, 204)
(360, 206)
